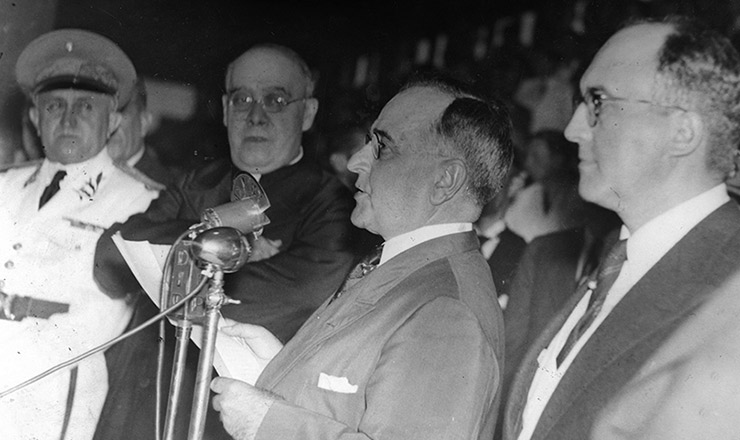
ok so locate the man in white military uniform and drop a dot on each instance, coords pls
(51, 215)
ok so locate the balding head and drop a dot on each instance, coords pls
(267, 107)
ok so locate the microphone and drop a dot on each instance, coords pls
(219, 244)
(223, 239)
(224, 247)
(246, 210)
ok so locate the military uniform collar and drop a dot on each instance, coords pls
(84, 177)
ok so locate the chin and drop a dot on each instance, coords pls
(359, 219)
(599, 195)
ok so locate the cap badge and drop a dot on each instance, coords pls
(68, 46)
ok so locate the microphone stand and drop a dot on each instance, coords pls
(217, 249)
(213, 302)
(183, 328)
(179, 277)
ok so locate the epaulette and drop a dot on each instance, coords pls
(148, 182)
(19, 165)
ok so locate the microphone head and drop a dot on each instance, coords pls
(245, 212)
(223, 247)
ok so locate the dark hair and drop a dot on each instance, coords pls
(478, 130)
(699, 69)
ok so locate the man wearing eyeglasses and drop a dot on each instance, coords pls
(411, 347)
(303, 253)
(657, 129)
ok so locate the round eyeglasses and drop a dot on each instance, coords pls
(595, 99)
(242, 101)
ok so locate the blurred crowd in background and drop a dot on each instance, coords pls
(527, 53)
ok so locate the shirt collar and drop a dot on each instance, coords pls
(133, 160)
(653, 240)
(75, 170)
(406, 241)
(297, 159)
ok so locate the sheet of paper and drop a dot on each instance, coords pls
(232, 358)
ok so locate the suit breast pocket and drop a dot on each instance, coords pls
(334, 396)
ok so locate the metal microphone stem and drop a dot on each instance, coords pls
(182, 335)
(214, 300)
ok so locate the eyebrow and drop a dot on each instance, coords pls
(383, 134)
(271, 89)
(598, 90)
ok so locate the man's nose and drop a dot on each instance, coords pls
(361, 160)
(578, 128)
(69, 118)
(257, 114)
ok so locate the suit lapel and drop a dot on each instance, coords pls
(359, 300)
(517, 396)
(528, 367)
(676, 285)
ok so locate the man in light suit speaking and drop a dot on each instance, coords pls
(412, 348)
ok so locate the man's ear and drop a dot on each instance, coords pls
(146, 119)
(114, 120)
(450, 178)
(225, 109)
(33, 115)
(309, 112)
(688, 132)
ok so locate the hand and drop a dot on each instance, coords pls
(258, 340)
(242, 407)
(264, 248)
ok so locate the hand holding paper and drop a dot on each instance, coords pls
(258, 341)
(233, 357)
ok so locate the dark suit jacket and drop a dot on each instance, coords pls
(417, 344)
(660, 301)
(505, 259)
(309, 213)
(151, 166)
(542, 285)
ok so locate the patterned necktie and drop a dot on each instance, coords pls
(52, 188)
(364, 267)
(607, 274)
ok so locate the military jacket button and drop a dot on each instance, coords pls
(9, 264)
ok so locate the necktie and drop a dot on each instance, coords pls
(52, 188)
(364, 267)
(607, 274)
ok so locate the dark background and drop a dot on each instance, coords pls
(189, 43)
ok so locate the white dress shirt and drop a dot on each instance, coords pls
(406, 241)
(645, 247)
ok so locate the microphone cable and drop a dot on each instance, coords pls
(108, 344)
